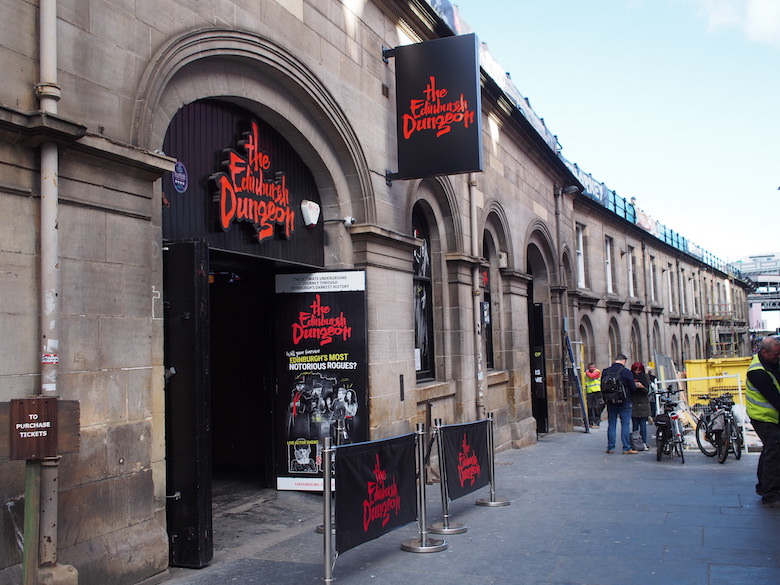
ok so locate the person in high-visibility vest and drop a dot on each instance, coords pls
(762, 394)
(593, 395)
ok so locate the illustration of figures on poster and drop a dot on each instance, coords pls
(318, 403)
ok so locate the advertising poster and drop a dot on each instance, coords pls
(377, 490)
(322, 371)
(465, 458)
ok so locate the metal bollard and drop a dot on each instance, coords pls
(339, 433)
(492, 501)
(444, 527)
(327, 493)
(423, 544)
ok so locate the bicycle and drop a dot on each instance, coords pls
(729, 438)
(669, 431)
(718, 432)
(705, 438)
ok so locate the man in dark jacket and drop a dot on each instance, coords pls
(620, 410)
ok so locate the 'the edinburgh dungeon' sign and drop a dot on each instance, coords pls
(438, 104)
(322, 372)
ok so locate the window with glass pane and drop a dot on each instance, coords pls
(423, 301)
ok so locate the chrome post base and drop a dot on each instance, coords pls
(492, 503)
(432, 545)
(451, 528)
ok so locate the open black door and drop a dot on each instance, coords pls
(538, 370)
(187, 408)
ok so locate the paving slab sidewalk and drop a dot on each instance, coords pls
(577, 516)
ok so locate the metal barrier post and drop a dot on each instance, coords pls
(339, 434)
(492, 501)
(326, 513)
(423, 544)
(444, 527)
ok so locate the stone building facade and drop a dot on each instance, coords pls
(516, 256)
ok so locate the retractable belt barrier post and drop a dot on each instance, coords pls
(423, 544)
(327, 493)
(339, 434)
(444, 527)
(492, 501)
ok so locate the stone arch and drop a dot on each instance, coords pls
(442, 207)
(213, 62)
(497, 224)
(540, 260)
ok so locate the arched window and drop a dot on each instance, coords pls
(487, 305)
(657, 347)
(636, 344)
(614, 340)
(423, 300)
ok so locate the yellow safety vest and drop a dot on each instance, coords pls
(757, 406)
(592, 384)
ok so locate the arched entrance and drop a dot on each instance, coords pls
(538, 301)
(226, 236)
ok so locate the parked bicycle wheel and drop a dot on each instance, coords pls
(705, 442)
(737, 442)
(679, 448)
(659, 446)
(722, 441)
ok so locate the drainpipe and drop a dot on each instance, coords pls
(477, 295)
(48, 93)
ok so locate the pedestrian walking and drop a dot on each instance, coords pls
(617, 385)
(640, 403)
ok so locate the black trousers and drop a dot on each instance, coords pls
(595, 408)
(768, 471)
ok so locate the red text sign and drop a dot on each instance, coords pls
(436, 112)
(247, 193)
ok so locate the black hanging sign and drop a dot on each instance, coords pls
(466, 458)
(322, 370)
(438, 105)
(376, 489)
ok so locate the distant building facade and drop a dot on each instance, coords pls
(141, 261)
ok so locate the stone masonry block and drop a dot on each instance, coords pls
(91, 288)
(20, 221)
(83, 234)
(127, 240)
(18, 282)
(125, 342)
(129, 447)
(89, 464)
(136, 554)
(19, 353)
(78, 342)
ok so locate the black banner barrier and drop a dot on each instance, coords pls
(376, 489)
(465, 457)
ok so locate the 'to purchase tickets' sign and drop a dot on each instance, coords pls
(322, 373)
(33, 428)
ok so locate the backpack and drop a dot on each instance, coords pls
(613, 390)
